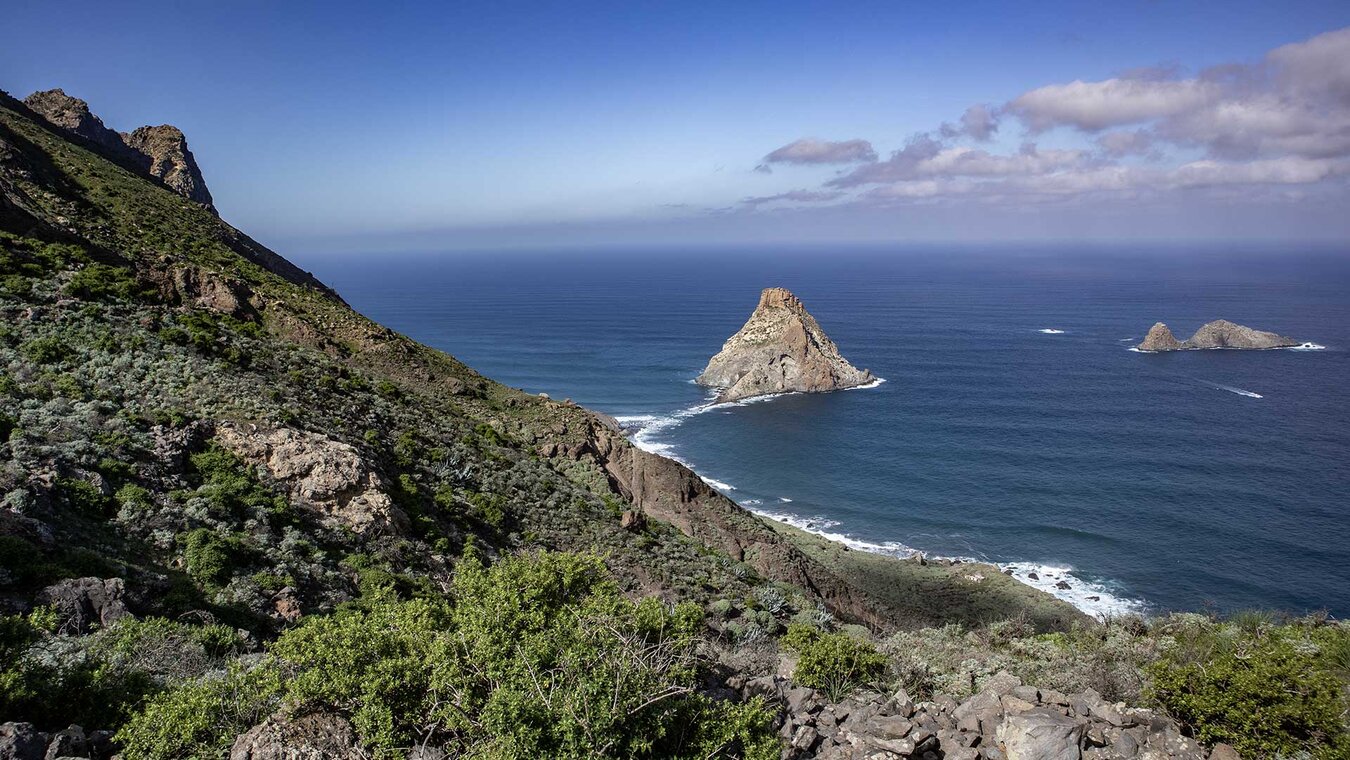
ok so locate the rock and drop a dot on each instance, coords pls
(20, 741)
(1159, 338)
(632, 521)
(164, 154)
(1041, 734)
(780, 349)
(1217, 334)
(889, 726)
(1063, 585)
(69, 742)
(306, 737)
(285, 606)
(160, 152)
(322, 475)
(72, 114)
(198, 287)
(1224, 752)
(83, 603)
(901, 704)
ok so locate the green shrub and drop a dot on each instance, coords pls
(97, 282)
(83, 496)
(1268, 690)
(48, 350)
(209, 558)
(231, 487)
(538, 656)
(836, 663)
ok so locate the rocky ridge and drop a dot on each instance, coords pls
(160, 152)
(1006, 720)
(780, 349)
(1217, 334)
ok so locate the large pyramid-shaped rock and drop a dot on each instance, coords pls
(779, 350)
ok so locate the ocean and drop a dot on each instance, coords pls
(1014, 425)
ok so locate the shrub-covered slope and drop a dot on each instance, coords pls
(233, 511)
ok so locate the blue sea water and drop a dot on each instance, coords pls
(1144, 481)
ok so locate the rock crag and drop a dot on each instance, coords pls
(1217, 334)
(160, 152)
(780, 349)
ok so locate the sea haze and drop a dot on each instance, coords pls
(1014, 426)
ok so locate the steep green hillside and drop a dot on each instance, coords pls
(210, 464)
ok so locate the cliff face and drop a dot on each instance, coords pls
(1217, 334)
(160, 152)
(164, 153)
(780, 349)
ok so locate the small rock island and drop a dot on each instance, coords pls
(1217, 334)
(781, 349)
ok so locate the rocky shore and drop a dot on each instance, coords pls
(781, 349)
(1217, 334)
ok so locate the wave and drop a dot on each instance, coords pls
(1238, 391)
(1125, 340)
(1308, 347)
(1050, 331)
(1091, 597)
(719, 485)
(784, 500)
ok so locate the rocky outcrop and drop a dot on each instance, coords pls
(316, 736)
(1159, 338)
(1217, 334)
(73, 115)
(322, 475)
(780, 349)
(1005, 721)
(21, 741)
(164, 154)
(192, 286)
(82, 604)
(160, 152)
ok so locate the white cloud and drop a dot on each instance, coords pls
(812, 151)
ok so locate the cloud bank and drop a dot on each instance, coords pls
(1255, 129)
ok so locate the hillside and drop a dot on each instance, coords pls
(210, 463)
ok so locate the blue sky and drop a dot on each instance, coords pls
(350, 126)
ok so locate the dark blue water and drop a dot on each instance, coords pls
(1139, 478)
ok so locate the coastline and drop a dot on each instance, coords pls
(1094, 598)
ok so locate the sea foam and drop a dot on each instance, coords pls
(1050, 331)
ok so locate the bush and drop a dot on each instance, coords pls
(538, 656)
(97, 282)
(83, 496)
(1268, 690)
(209, 558)
(836, 663)
(49, 350)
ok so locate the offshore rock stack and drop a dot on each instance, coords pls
(781, 349)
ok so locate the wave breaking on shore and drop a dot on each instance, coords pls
(1092, 597)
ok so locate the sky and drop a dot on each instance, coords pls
(347, 127)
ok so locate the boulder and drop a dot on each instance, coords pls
(314, 736)
(83, 603)
(21, 741)
(1159, 338)
(1041, 734)
(69, 742)
(780, 349)
(325, 476)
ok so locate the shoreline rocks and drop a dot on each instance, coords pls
(1217, 334)
(780, 349)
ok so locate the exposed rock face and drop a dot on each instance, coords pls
(73, 114)
(160, 152)
(316, 736)
(1159, 338)
(1224, 334)
(165, 155)
(1005, 721)
(82, 603)
(780, 349)
(1217, 334)
(198, 287)
(326, 476)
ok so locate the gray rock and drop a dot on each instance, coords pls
(83, 603)
(21, 741)
(1223, 751)
(68, 742)
(1041, 734)
(889, 726)
(315, 736)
